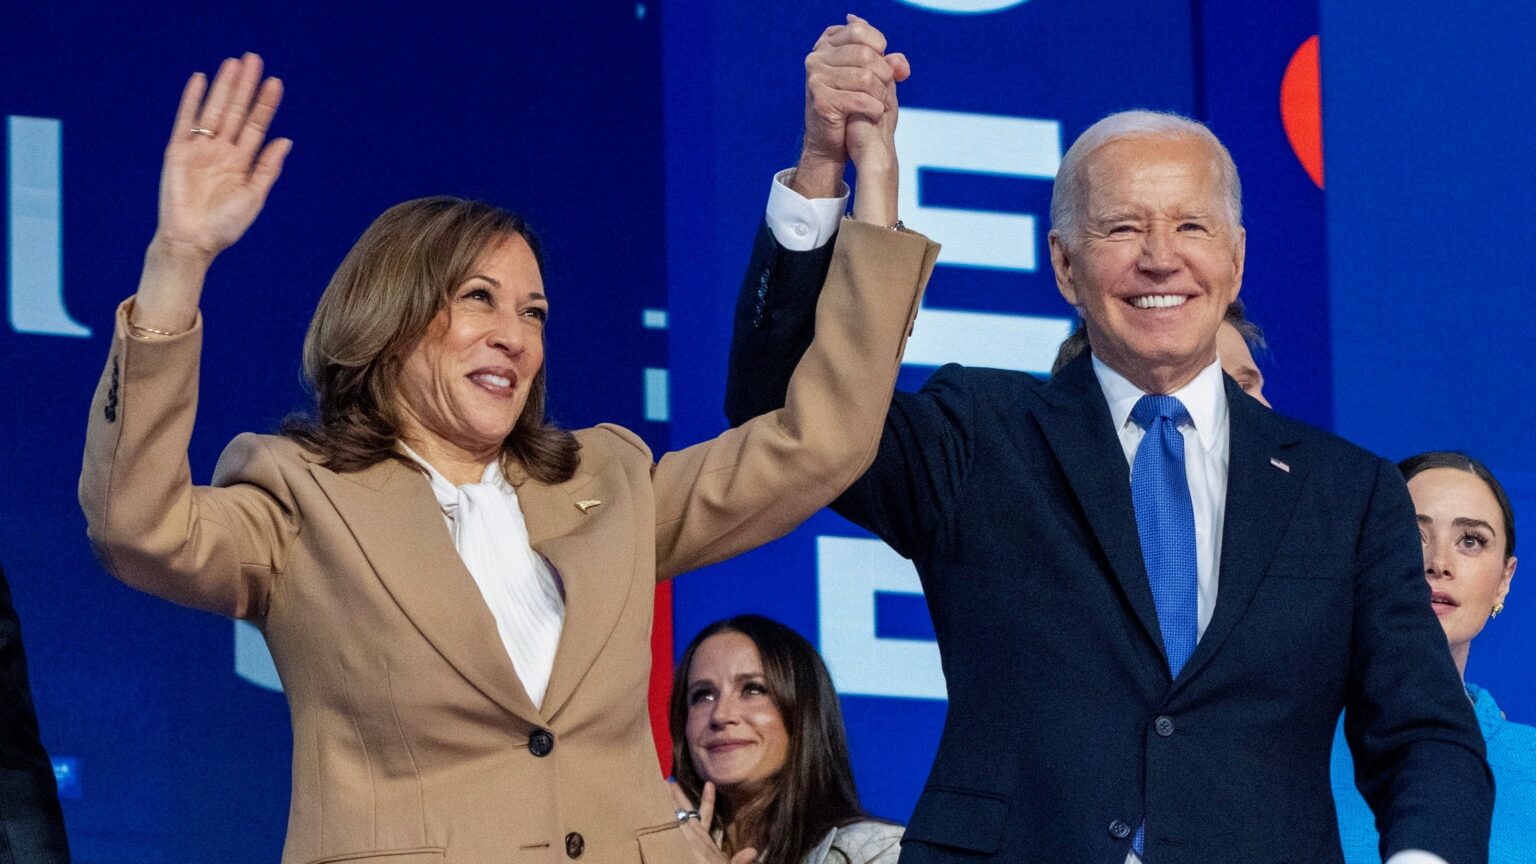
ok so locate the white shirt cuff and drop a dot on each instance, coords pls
(801, 224)
(1415, 856)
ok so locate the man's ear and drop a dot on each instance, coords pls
(1061, 262)
(1239, 256)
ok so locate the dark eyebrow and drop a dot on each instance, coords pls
(740, 676)
(534, 295)
(1460, 522)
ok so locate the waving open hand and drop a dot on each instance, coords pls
(217, 173)
(218, 170)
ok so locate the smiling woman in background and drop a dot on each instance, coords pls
(457, 593)
(1468, 530)
(758, 740)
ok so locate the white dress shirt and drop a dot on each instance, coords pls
(1206, 451)
(800, 224)
(520, 587)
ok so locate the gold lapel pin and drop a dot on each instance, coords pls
(588, 504)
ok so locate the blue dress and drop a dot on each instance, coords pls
(1511, 755)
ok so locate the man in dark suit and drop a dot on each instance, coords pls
(1152, 595)
(31, 825)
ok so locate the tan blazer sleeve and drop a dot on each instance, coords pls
(211, 548)
(757, 482)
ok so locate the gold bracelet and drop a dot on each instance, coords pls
(139, 328)
(897, 227)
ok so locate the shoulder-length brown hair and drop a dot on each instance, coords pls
(389, 288)
(814, 792)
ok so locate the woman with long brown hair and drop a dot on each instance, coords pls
(758, 742)
(457, 593)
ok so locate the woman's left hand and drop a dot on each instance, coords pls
(696, 831)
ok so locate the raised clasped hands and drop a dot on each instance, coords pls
(850, 114)
(219, 167)
(696, 836)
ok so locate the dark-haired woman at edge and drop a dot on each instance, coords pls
(1468, 530)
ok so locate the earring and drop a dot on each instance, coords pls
(1498, 607)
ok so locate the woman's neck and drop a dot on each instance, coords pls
(1459, 657)
(458, 465)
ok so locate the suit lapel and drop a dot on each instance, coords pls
(391, 512)
(1261, 496)
(585, 548)
(1077, 425)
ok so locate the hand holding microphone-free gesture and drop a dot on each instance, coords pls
(218, 170)
(850, 113)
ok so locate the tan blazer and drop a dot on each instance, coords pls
(414, 741)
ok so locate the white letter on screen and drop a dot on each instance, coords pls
(36, 229)
(850, 570)
(975, 143)
(964, 7)
(253, 661)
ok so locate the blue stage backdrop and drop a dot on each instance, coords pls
(1429, 123)
(641, 138)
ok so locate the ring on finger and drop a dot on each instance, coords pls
(684, 815)
(202, 130)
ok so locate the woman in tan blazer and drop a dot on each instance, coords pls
(416, 739)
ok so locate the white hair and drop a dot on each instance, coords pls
(1069, 195)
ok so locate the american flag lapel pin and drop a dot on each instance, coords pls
(1278, 464)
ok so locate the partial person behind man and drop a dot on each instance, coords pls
(758, 741)
(1177, 588)
(1467, 527)
(1238, 344)
(31, 823)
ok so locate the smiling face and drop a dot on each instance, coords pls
(735, 733)
(1158, 260)
(1464, 537)
(464, 384)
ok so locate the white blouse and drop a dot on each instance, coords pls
(520, 587)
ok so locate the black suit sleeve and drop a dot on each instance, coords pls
(907, 494)
(1427, 780)
(31, 824)
(924, 449)
(775, 322)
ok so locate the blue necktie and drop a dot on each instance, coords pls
(1165, 522)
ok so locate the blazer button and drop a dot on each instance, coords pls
(575, 844)
(1163, 725)
(540, 743)
(1119, 830)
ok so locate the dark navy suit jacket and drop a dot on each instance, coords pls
(31, 825)
(1064, 731)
